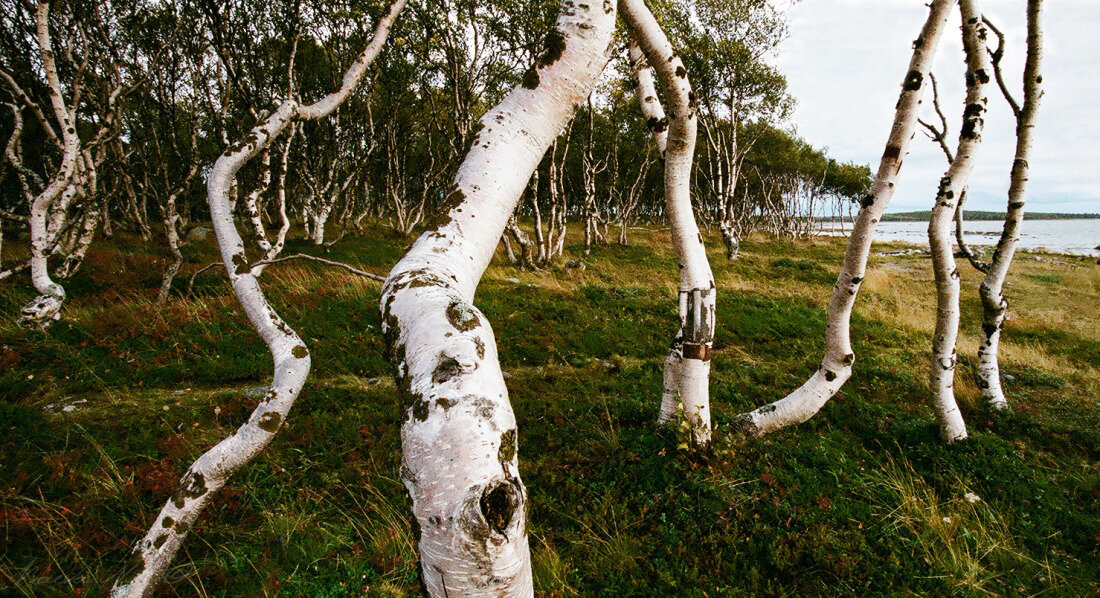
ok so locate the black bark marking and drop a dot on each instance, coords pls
(462, 316)
(479, 346)
(446, 403)
(830, 375)
(443, 216)
(849, 359)
(300, 352)
(867, 201)
(531, 78)
(270, 421)
(656, 125)
(743, 425)
(681, 72)
(448, 367)
(507, 450)
(892, 152)
(498, 504)
(912, 81)
(192, 486)
(161, 539)
(420, 410)
(240, 263)
(167, 523)
(484, 408)
(972, 118)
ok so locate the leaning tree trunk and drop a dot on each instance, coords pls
(459, 437)
(994, 304)
(836, 367)
(45, 309)
(952, 186)
(153, 553)
(687, 366)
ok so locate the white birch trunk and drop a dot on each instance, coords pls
(45, 309)
(836, 367)
(459, 438)
(320, 218)
(994, 304)
(153, 553)
(941, 374)
(687, 366)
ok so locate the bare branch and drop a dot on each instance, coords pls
(302, 256)
(996, 55)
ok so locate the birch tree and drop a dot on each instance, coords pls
(45, 309)
(994, 303)
(952, 185)
(153, 553)
(459, 437)
(836, 366)
(687, 366)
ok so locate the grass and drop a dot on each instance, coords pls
(862, 499)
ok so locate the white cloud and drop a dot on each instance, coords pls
(845, 60)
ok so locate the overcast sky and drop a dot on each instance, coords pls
(845, 60)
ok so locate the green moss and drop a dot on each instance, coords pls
(616, 510)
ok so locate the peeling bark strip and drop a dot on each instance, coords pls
(941, 373)
(836, 367)
(459, 437)
(687, 366)
(994, 304)
(154, 552)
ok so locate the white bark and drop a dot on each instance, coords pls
(941, 374)
(459, 437)
(154, 552)
(45, 309)
(994, 304)
(687, 366)
(836, 367)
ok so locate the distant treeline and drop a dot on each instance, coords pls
(924, 215)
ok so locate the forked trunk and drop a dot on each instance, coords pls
(836, 367)
(952, 186)
(994, 304)
(687, 365)
(459, 439)
(45, 309)
(153, 553)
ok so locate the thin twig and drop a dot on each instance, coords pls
(314, 258)
(996, 56)
(191, 281)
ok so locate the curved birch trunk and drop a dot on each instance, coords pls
(45, 309)
(687, 366)
(153, 553)
(994, 304)
(836, 367)
(941, 374)
(459, 441)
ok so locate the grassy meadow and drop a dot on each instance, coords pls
(100, 415)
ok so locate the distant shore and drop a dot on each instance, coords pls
(977, 215)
